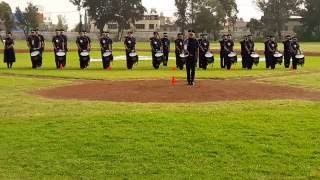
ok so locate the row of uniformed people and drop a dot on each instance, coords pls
(36, 43)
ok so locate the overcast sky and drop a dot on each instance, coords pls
(54, 7)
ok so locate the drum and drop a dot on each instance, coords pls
(278, 57)
(61, 54)
(84, 54)
(159, 56)
(134, 57)
(210, 58)
(233, 57)
(300, 59)
(107, 54)
(255, 58)
(183, 57)
(35, 53)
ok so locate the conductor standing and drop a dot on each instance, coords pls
(191, 46)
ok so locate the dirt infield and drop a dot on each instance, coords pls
(161, 91)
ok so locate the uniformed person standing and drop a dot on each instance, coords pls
(249, 47)
(34, 44)
(296, 50)
(9, 53)
(266, 52)
(156, 46)
(192, 47)
(65, 42)
(166, 48)
(58, 45)
(179, 45)
(130, 45)
(106, 45)
(272, 49)
(287, 54)
(243, 51)
(42, 44)
(222, 42)
(228, 48)
(84, 44)
(204, 47)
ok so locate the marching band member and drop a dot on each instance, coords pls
(106, 45)
(222, 42)
(204, 47)
(42, 45)
(58, 45)
(228, 48)
(296, 50)
(243, 51)
(65, 42)
(156, 46)
(166, 48)
(249, 46)
(267, 53)
(130, 45)
(179, 50)
(34, 44)
(191, 46)
(272, 49)
(9, 53)
(287, 51)
(84, 45)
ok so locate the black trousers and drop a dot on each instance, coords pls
(248, 61)
(287, 57)
(179, 62)
(244, 61)
(105, 61)
(273, 62)
(294, 62)
(203, 63)
(129, 60)
(191, 68)
(222, 59)
(165, 58)
(39, 63)
(84, 61)
(268, 60)
(227, 61)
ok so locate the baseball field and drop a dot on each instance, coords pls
(122, 124)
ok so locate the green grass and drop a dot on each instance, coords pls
(305, 46)
(42, 138)
(67, 139)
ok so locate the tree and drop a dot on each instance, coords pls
(277, 13)
(255, 26)
(62, 22)
(123, 12)
(28, 19)
(6, 15)
(182, 16)
(78, 4)
(310, 30)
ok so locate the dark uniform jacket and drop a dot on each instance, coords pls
(130, 43)
(192, 47)
(204, 46)
(58, 42)
(287, 46)
(156, 44)
(34, 42)
(179, 43)
(105, 43)
(165, 44)
(83, 43)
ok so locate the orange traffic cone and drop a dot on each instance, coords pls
(174, 69)
(173, 81)
(109, 68)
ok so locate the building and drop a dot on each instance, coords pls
(292, 23)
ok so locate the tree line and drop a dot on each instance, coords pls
(208, 16)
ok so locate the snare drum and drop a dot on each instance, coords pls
(107, 54)
(84, 53)
(300, 59)
(255, 58)
(61, 54)
(35, 53)
(210, 58)
(183, 57)
(134, 57)
(233, 57)
(278, 57)
(159, 56)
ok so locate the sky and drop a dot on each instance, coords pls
(52, 8)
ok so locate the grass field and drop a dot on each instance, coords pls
(305, 46)
(68, 139)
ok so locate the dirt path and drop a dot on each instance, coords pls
(161, 91)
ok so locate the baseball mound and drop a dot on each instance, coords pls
(161, 91)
